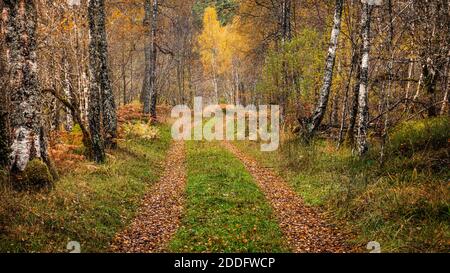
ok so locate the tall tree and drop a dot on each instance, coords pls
(321, 107)
(354, 105)
(150, 93)
(4, 98)
(363, 100)
(286, 36)
(389, 67)
(109, 114)
(28, 135)
(211, 43)
(95, 86)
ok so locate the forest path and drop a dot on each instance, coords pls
(302, 226)
(159, 216)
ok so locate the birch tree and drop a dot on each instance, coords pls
(150, 93)
(211, 47)
(28, 134)
(67, 87)
(4, 101)
(354, 105)
(286, 36)
(321, 107)
(387, 96)
(95, 86)
(363, 99)
(109, 115)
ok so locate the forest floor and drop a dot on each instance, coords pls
(90, 203)
(233, 205)
(159, 215)
(403, 205)
(225, 210)
(304, 227)
(156, 195)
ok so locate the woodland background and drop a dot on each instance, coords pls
(365, 115)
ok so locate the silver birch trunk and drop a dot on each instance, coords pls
(67, 93)
(214, 79)
(4, 98)
(363, 101)
(345, 103)
(28, 139)
(109, 114)
(150, 94)
(95, 96)
(445, 101)
(385, 134)
(321, 107)
(84, 101)
(153, 88)
(146, 92)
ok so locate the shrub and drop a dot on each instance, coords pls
(420, 135)
(140, 130)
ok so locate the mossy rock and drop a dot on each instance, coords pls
(35, 176)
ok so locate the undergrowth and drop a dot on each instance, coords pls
(89, 204)
(403, 203)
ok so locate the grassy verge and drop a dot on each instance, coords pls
(89, 204)
(404, 204)
(225, 211)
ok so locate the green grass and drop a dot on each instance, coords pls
(404, 204)
(311, 179)
(225, 210)
(88, 205)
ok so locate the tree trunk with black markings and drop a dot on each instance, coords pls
(353, 113)
(29, 140)
(4, 99)
(363, 101)
(321, 107)
(150, 93)
(109, 114)
(95, 86)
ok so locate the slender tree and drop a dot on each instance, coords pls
(389, 67)
(363, 99)
(345, 104)
(67, 87)
(95, 87)
(354, 105)
(150, 93)
(4, 98)
(145, 92)
(321, 107)
(286, 36)
(109, 114)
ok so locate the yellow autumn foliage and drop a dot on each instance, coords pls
(219, 45)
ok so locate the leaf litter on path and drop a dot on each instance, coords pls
(303, 226)
(159, 216)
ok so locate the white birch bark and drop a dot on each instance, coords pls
(363, 101)
(67, 93)
(321, 107)
(26, 99)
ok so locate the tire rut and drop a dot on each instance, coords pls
(159, 216)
